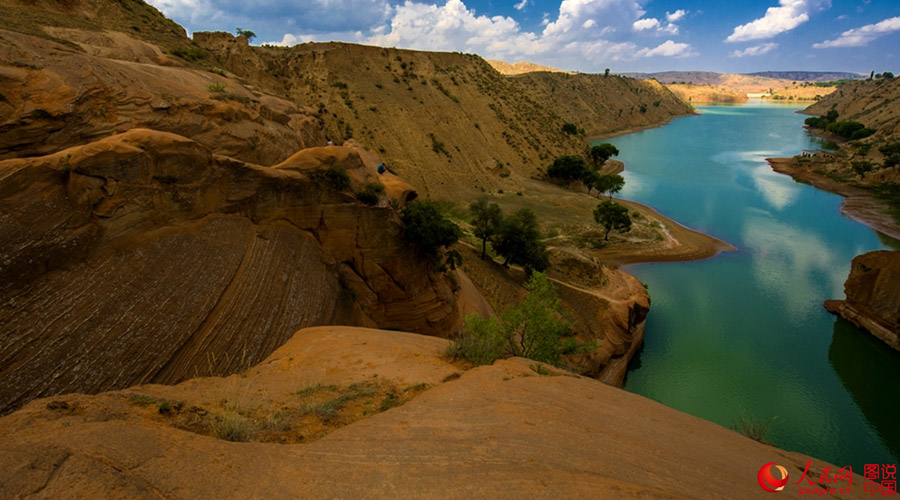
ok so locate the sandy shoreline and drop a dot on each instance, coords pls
(859, 204)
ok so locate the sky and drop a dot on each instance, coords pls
(735, 36)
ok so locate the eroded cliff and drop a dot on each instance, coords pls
(873, 296)
(143, 257)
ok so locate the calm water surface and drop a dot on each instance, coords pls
(744, 334)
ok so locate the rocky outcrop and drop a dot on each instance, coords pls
(498, 431)
(873, 296)
(144, 257)
(55, 97)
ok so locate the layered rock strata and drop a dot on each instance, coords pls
(873, 296)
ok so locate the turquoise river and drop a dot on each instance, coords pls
(744, 334)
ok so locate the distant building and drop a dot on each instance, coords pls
(808, 153)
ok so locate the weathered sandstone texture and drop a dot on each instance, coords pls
(498, 431)
(873, 296)
(144, 257)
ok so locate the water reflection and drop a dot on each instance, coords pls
(873, 388)
(793, 263)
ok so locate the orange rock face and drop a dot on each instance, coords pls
(499, 431)
(873, 296)
(144, 257)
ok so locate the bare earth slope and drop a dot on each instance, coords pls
(874, 103)
(499, 431)
(447, 122)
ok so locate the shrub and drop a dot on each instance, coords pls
(569, 128)
(428, 230)
(216, 87)
(481, 341)
(334, 177)
(369, 195)
(534, 329)
(754, 428)
(190, 54)
(232, 426)
(861, 167)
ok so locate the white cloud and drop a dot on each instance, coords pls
(756, 50)
(586, 34)
(787, 16)
(675, 16)
(645, 24)
(859, 37)
(668, 49)
(521, 5)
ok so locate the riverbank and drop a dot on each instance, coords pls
(679, 244)
(632, 130)
(860, 204)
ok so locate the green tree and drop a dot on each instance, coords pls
(569, 128)
(486, 220)
(608, 183)
(602, 152)
(428, 230)
(612, 215)
(536, 329)
(519, 242)
(249, 35)
(606, 72)
(568, 168)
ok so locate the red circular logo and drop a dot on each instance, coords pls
(768, 482)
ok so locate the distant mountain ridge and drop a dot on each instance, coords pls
(713, 78)
(809, 76)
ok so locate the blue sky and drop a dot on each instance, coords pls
(585, 35)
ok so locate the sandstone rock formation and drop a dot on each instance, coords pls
(499, 431)
(873, 296)
(56, 96)
(144, 257)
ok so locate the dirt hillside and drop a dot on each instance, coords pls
(447, 122)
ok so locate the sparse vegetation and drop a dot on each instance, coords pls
(754, 428)
(192, 53)
(534, 329)
(334, 177)
(369, 195)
